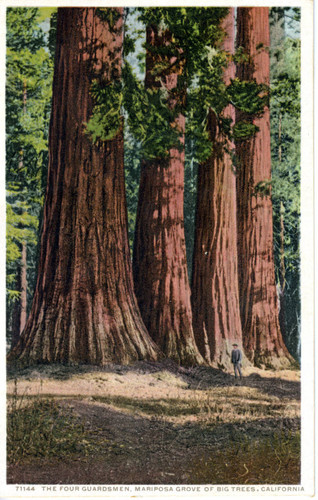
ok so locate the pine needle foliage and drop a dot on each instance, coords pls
(285, 149)
(29, 70)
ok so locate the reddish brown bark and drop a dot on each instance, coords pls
(84, 308)
(159, 264)
(20, 308)
(215, 299)
(262, 337)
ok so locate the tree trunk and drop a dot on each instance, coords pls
(20, 307)
(215, 299)
(262, 337)
(159, 264)
(277, 39)
(282, 276)
(280, 137)
(84, 308)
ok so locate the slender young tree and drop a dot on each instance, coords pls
(20, 307)
(28, 91)
(19, 316)
(215, 298)
(285, 136)
(159, 263)
(262, 337)
(84, 307)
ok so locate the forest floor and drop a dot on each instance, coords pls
(152, 423)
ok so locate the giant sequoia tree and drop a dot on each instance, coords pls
(262, 337)
(215, 300)
(84, 308)
(159, 264)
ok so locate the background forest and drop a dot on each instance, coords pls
(31, 36)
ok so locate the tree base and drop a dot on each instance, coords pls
(120, 344)
(26, 359)
(221, 359)
(270, 361)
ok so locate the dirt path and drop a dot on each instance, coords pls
(155, 424)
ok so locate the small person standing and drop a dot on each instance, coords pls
(236, 359)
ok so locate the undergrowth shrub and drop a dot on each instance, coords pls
(271, 460)
(41, 428)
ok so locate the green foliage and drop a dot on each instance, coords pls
(132, 159)
(193, 41)
(208, 92)
(28, 92)
(23, 29)
(285, 87)
(192, 35)
(40, 428)
(129, 44)
(13, 295)
(21, 228)
(285, 150)
(243, 130)
(195, 45)
(105, 121)
(195, 31)
(19, 224)
(190, 197)
(240, 56)
(106, 118)
(52, 34)
(201, 100)
(45, 13)
(248, 96)
(263, 188)
(150, 117)
(110, 16)
(29, 70)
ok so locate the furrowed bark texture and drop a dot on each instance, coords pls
(262, 337)
(84, 309)
(215, 298)
(159, 264)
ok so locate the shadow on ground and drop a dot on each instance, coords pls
(133, 449)
(197, 378)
